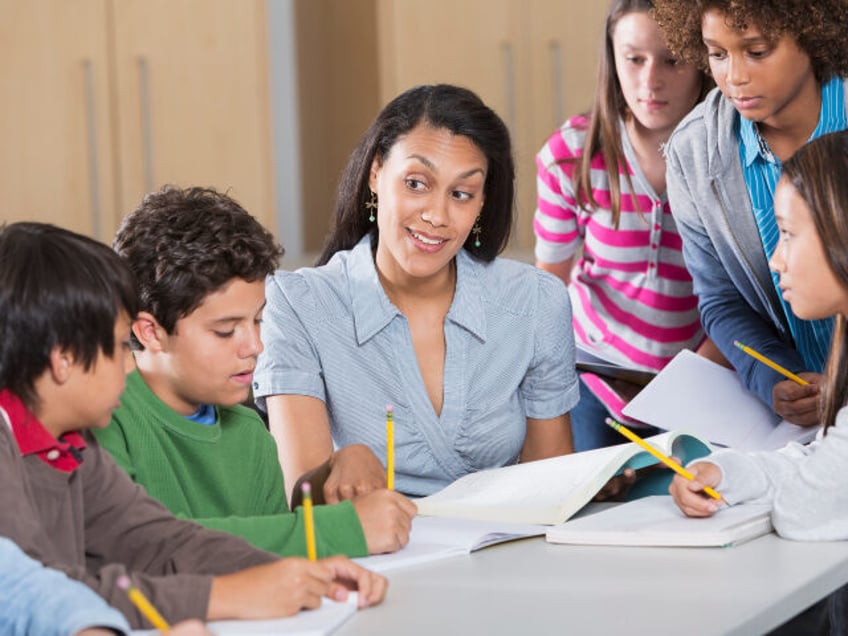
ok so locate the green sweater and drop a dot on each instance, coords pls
(225, 476)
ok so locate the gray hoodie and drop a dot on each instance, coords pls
(722, 246)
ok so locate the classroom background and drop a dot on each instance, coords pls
(102, 101)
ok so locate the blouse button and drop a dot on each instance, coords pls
(653, 246)
(53, 455)
(657, 226)
(651, 265)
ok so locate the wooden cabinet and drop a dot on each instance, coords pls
(532, 61)
(104, 100)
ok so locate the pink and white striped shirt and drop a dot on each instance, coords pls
(630, 291)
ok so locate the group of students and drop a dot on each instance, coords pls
(126, 449)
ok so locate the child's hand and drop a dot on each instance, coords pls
(347, 576)
(189, 628)
(386, 519)
(616, 488)
(689, 495)
(185, 628)
(798, 403)
(354, 471)
(284, 587)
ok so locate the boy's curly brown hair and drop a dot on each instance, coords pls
(819, 27)
(184, 244)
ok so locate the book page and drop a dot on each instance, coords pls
(698, 396)
(318, 622)
(657, 521)
(542, 492)
(434, 538)
(589, 361)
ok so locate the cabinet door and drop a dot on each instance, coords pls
(563, 47)
(466, 42)
(56, 157)
(191, 86)
(533, 61)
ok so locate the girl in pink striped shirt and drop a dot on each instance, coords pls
(601, 186)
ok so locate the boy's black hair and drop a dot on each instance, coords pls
(184, 244)
(57, 289)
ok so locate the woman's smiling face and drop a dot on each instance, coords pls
(430, 190)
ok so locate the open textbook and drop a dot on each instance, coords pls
(703, 398)
(434, 538)
(549, 491)
(657, 521)
(318, 622)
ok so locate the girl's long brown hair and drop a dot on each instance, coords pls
(603, 134)
(819, 172)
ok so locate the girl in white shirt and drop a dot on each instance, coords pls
(805, 484)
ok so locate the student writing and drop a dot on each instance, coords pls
(68, 303)
(804, 483)
(181, 432)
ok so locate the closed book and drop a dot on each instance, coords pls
(657, 521)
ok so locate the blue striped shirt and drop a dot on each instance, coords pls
(332, 333)
(762, 171)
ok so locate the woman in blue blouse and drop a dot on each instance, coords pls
(409, 306)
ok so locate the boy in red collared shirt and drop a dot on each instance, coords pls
(67, 304)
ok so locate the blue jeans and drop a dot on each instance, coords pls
(587, 424)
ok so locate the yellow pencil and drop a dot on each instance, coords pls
(390, 447)
(668, 461)
(144, 606)
(774, 365)
(309, 522)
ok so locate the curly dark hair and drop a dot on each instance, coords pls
(184, 244)
(818, 26)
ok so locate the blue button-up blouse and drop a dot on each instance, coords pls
(332, 333)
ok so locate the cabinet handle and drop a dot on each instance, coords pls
(91, 139)
(509, 84)
(555, 50)
(146, 127)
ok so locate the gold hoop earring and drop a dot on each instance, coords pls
(371, 206)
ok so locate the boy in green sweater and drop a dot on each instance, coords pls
(181, 432)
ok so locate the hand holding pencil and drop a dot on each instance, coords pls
(689, 495)
(665, 459)
(795, 399)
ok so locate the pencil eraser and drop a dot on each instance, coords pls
(306, 487)
(389, 408)
(124, 582)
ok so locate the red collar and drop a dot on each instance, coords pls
(34, 439)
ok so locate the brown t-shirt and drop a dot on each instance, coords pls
(95, 524)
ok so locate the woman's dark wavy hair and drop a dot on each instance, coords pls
(818, 26)
(57, 289)
(184, 244)
(819, 173)
(442, 106)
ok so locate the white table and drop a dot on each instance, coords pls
(530, 587)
